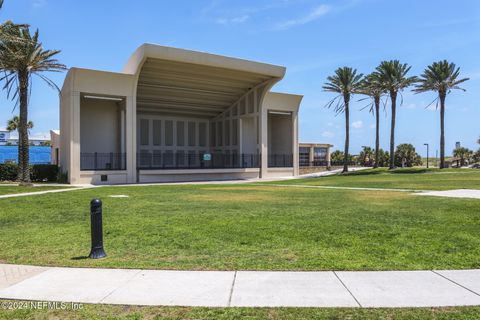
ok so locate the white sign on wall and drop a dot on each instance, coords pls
(4, 136)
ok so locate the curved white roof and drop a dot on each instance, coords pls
(156, 51)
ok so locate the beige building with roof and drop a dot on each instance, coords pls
(177, 115)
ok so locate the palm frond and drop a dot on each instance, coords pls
(345, 82)
(441, 77)
(21, 53)
(393, 76)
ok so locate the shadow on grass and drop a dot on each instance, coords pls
(367, 172)
(370, 172)
(79, 258)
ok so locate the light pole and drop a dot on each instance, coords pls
(426, 144)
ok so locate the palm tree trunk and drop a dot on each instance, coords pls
(377, 131)
(393, 97)
(346, 99)
(442, 130)
(23, 156)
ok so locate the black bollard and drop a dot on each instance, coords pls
(97, 251)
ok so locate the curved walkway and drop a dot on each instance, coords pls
(242, 288)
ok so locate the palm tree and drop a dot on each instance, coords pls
(345, 82)
(14, 123)
(462, 153)
(372, 87)
(440, 77)
(393, 77)
(366, 156)
(21, 56)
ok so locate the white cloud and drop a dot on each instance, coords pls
(313, 15)
(357, 124)
(328, 134)
(411, 106)
(372, 126)
(39, 3)
(234, 20)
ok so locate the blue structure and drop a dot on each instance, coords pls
(38, 155)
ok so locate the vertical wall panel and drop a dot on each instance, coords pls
(169, 133)
(213, 134)
(227, 132)
(219, 134)
(234, 132)
(250, 103)
(202, 134)
(144, 132)
(180, 133)
(192, 136)
(157, 132)
(242, 106)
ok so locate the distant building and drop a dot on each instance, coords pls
(314, 154)
(457, 145)
(11, 138)
(4, 136)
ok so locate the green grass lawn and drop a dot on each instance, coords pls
(8, 189)
(416, 179)
(245, 227)
(102, 312)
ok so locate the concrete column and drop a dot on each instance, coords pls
(131, 139)
(295, 143)
(311, 156)
(122, 129)
(329, 161)
(263, 142)
(74, 170)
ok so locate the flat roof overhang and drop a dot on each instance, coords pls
(194, 84)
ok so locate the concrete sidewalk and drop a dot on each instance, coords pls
(242, 288)
(34, 193)
(456, 193)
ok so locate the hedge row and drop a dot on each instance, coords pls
(38, 172)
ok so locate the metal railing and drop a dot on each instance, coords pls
(183, 160)
(280, 160)
(102, 161)
(324, 163)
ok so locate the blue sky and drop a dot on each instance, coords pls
(310, 37)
